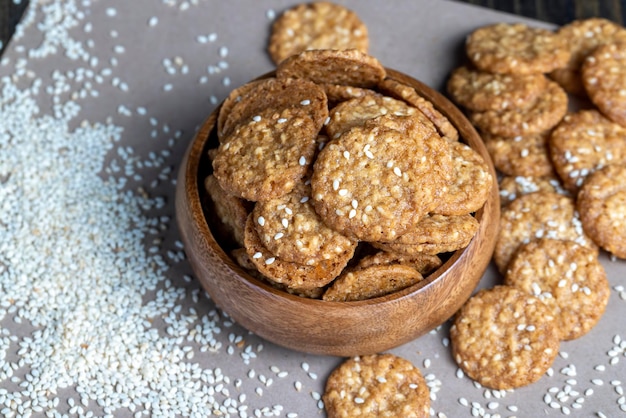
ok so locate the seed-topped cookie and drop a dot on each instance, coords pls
(604, 77)
(504, 338)
(284, 143)
(356, 111)
(512, 187)
(521, 155)
(481, 91)
(377, 180)
(542, 114)
(537, 215)
(337, 93)
(583, 142)
(602, 206)
(377, 385)
(347, 67)
(515, 48)
(290, 228)
(565, 276)
(318, 25)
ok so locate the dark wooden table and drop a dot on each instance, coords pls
(555, 11)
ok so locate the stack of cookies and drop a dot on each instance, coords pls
(561, 183)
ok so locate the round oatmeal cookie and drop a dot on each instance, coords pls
(583, 35)
(277, 94)
(318, 25)
(521, 155)
(266, 157)
(434, 234)
(537, 215)
(393, 88)
(289, 227)
(604, 77)
(297, 277)
(481, 91)
(516, 48)
(602, 205)
(570, 80)
(231, 211)
(545, 112)
(325, 66)
(471, 182)
(511, 187)
(583, 142)
(504, 338)
(376, 181)
(565, 276)
(371, 282)
(356, 111)
(377, 385)
(424, 263)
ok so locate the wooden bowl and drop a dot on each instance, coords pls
(316, 326)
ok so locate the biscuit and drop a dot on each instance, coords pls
(424, 263)
(295, 276)
(318, 25)
(356, 111)
(583, 35)
(604, 77)
(602, 205)
(371, 282)
(377, 385)
(337, 93)
(283, 144)
(515, 48)
(545, 112)
(511, 187)
(471, 182)
(504, 338)
(277, 94)
(481, 91)
(290, 228)
(393, 88)
(434, 234)
(376, 181)
(583, 142)
(565, 276)
(534, 216)
(521, 155)
(231, 211)
(347, 67)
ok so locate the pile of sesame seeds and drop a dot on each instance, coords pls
(99, 312)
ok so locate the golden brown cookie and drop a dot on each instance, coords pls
(515, 48)
(434, 234)
(504, 338)
(470, 185)
(378, 385)
(481, 91)
(290, 228)
(231, 211)
(565, 276)
(602, 205)
(295, 276)
(583, 142)
(347, 67)
(584, 35)
(318, 25)
(266, 157)
(393, 88)
(355, 112)
(231, 100)
(545, 112)
(534, 216)
(371, 282)
(424, 263)
(521, 155)
(377, 180)
(277, 94)
(604, 77)
(511, 187)
(337, 93)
